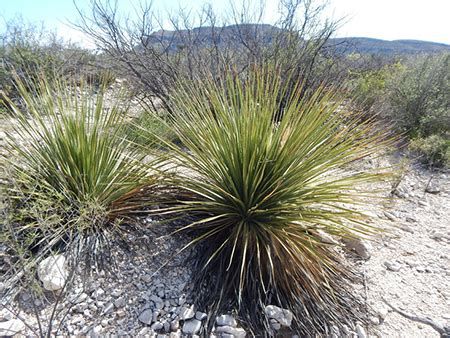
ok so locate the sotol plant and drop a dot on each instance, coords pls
(73, 176)
(261, 183)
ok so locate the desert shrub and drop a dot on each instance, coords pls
(30, 51)
(27, 49)
(73, 178)
(368, 86)
(419, 97)
(260, 188)
(433, 150)
(147, 130)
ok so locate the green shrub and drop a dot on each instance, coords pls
(30, 51)
(433, 150)
(419, 98)
(261, 187)
(74, 178)
(147, 130)
(368, 88)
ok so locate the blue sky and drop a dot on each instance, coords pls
(384, 19)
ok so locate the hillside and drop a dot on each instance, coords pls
(377, 46)
(264, 33)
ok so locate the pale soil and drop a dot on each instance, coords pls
(417, 237)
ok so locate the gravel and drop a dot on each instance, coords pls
(226, 320)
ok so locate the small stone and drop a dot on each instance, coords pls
(156, 299)
(166, 325)
(53, 272)
(176, 334)
(360, 331)
(157, 326)
(116, 293)
(175, 325)
(283, 316)
(401, 192)
(69, 328)
(437, 236)
(144, 331)
(11, 327)
(192, 326)
(182, 299)
(446, 316)
(5, 315)
(235, 331)
(432, 188)
(326, 238)
(146, 317)
(382, 312)
(97, 330)
(346, 330)
(76, 299)
(362, 248)
(200, 315)
(423, 203)
(120, 302)
(187, 313)
(121, 313)
(98, 293)
(108, 308)
(275, 325)
(411, 219)
(78, 320)
(226, 320)
(406, 228)
(420, 269)
(392, 266)
(390, 216)
(156, 314)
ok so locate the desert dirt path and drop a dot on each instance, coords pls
(410, 263)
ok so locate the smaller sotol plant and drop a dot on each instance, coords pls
(263, 178)
(73, 176)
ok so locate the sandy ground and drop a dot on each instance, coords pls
(416, 247)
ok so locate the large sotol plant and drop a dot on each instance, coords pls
(73, 175)
(263, 180)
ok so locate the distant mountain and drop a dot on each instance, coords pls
(376, 46)
(207, 36)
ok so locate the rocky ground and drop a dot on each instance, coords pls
(407, 266)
